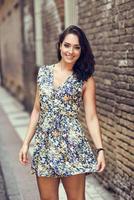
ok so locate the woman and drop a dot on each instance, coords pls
(61, 150)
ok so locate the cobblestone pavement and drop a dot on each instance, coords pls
(19, 119)
(3, 195)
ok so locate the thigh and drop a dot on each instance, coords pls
(48, 187)
(75, 186)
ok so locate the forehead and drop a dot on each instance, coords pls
(71, 38)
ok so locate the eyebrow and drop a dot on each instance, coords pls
(74, 44)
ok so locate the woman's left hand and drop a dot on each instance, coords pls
(101, 161)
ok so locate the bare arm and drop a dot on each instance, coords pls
(92, 121)
(23, 158)
(33, 119)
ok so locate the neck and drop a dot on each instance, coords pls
(65, 66)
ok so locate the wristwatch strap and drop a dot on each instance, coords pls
(99, 149)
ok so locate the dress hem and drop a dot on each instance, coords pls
(33, 172)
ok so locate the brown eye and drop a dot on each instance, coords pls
(66, 45)
(77, 48)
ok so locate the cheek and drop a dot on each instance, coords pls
(63, 50)
(78, 53)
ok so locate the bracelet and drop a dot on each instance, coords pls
(99, 149)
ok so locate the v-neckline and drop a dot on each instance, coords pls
(62, 84)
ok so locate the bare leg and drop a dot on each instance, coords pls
(48, 188)
(74, 186)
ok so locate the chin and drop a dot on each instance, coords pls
(69, 61)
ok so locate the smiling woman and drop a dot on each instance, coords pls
(74, 39)
(70, 49)
(61, 149)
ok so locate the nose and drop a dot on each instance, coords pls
(71, 50)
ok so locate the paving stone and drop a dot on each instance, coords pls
(3, 195)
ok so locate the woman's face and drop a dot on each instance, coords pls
(70, 49)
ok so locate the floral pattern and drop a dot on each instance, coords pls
(60, 146)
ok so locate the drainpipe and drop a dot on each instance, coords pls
(71, 12)
(39, 54)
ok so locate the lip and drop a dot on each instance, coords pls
(70, 57)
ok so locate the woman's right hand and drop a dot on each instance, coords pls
(23, 154)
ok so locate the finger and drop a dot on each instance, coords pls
(25, 159)
(98, 167)
(101, 168)
(21, 157)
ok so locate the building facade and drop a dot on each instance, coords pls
(28, 35)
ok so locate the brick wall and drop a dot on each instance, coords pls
(17, 49)
(11, 48)
(109, 27)
(53, 23)
(60, 9)
(28, 33)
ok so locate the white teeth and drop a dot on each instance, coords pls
(69, 56)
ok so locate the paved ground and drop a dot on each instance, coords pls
(19, 182)
(3, 195)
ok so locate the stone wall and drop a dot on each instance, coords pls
(17, 49)
(109, 27)
(11, 48)
(53, 23)
(29, 63)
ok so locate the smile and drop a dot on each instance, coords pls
(70, 57)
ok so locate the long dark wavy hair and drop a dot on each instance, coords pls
(84, 66)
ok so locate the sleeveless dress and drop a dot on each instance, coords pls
(60, 145)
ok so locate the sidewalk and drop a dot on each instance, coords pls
(3, 195)
(20, 184)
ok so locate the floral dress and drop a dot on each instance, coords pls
(60, 146)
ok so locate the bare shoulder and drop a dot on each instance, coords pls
(89, 84)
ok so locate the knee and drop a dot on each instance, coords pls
(49, 195)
